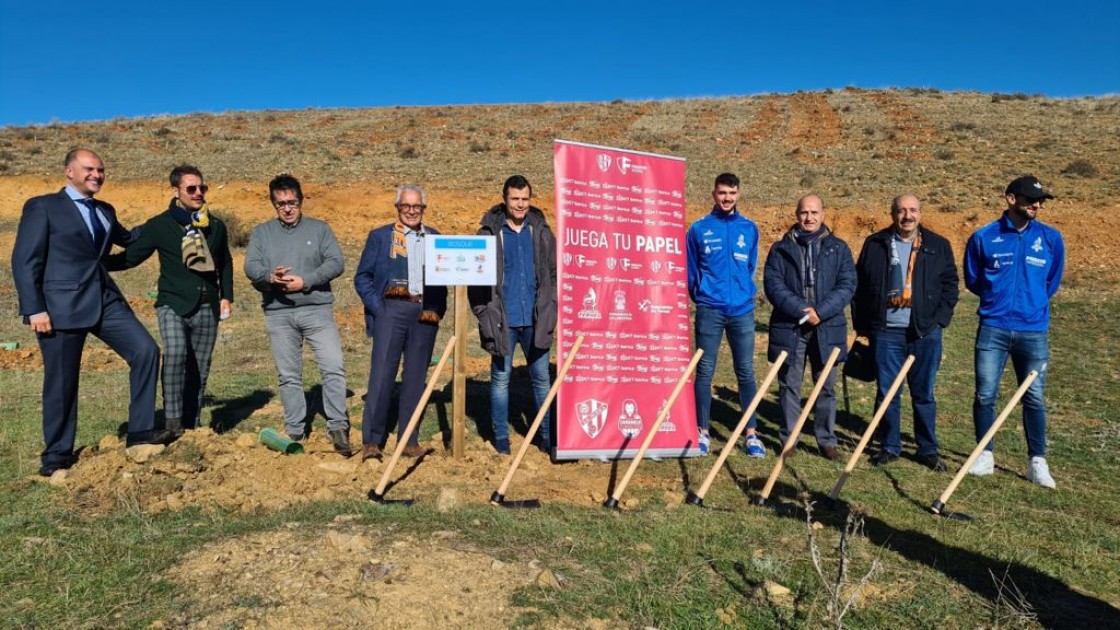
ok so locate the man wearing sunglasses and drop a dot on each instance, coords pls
(195, 290)
(1015, 265)
(292, 261)
(402, 317)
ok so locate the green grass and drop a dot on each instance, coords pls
(655, 566)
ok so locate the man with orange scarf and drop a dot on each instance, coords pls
(906, 291)
(402, 318)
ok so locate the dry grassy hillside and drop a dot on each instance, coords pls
(857, 148)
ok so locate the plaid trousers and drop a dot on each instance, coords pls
(188, 343)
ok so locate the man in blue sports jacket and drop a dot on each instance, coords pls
(722, 251)
(1015, 266)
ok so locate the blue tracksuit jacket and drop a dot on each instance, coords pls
(722, 251)
(1014, 273)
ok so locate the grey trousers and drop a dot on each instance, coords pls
(790, 376)
(188, 343)
(287, 329)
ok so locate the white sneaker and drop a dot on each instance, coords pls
(1038, 472)
(984, 465)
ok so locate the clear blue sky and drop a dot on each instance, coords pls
(70, 61)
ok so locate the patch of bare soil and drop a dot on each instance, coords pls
(236, 472)
(813, 125)
(350, 577)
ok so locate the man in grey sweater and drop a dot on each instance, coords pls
(292, 261)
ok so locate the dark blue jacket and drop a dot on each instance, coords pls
(1014, 273)
(836, 284)
(56, 268)
(372, 278)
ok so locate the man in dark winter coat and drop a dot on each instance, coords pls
(520, 309)
(906, 294)
(809, 278)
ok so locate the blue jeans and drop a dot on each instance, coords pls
(891, 347)
(710, 326)
(500, 370)
(1029, 350)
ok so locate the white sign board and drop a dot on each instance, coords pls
(460, 260)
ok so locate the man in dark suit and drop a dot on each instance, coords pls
(402, 317)
(65, 293)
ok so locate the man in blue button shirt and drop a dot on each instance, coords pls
(1015, 266)
(521, 308)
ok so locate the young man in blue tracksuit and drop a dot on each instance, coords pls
(722, 251)
(1015, 266)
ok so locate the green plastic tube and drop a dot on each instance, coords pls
(277, 442)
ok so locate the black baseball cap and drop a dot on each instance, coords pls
(1027, 187)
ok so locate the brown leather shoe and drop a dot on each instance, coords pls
(830, 453)
(371, 451)
(414, 450)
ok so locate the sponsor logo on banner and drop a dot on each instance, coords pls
(619, 312)
(630, 421)
(567, 260)
(604, 162)
(590, 308)
(612, 262)
(667, 425)
(627, 166)
(592, 416)
(655, 266)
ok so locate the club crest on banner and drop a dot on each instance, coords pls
(655, 266)
(567, 259)
(612, 262)
(592, 416)
(604, 161)
(630, 421)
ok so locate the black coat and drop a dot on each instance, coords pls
(934, 291)
(836, 283)
(488, 303)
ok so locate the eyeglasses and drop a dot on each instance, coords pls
(287, 203)
(414, 207)
(192, 189)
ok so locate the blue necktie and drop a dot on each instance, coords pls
(95, 223)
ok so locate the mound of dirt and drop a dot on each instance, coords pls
(234, 471)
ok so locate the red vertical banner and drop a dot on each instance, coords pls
(624, 287)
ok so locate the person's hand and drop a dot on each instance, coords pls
(278, 275)
(814, 319)
(41, 323)
(294, 284)
(225, 309)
